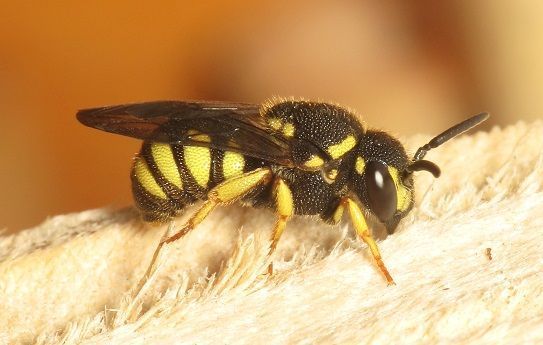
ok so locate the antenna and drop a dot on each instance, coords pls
(449, 134)
(420, 164)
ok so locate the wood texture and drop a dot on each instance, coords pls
(69, 279)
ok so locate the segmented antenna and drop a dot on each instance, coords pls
(449, 134)
(420, 164)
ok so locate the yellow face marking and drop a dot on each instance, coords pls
(360, 165)
(163, 156)
(314, 162)
(288, 130)
(342, 148)
(232, 164)
(283, 199)
(198, 161)
(146, 179)
(404, 197)
(275, 123)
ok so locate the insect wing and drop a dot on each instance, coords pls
(237, 127)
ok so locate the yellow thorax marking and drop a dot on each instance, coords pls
(402, 193)
(360, 165)
(283, 198)
(338, 150)
(314, 161)
(275, 123)
(146, 179)
(198, 161)
(332, 174)
(288, 130)
(232, 164)
(163, 157)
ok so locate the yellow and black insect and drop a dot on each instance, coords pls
(296, 157)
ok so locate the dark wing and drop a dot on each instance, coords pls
(235, 127)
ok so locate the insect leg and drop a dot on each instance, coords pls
(224, 193)
(359, 222)
(285, 208)
(194, 220)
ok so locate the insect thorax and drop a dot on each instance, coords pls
(319, 131)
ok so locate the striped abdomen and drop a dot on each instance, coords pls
(166, 177)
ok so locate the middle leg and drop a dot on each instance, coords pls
(284, 205)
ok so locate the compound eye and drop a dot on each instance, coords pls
(381, 191)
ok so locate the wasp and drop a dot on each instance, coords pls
(296, 157)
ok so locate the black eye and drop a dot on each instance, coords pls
(381, 190)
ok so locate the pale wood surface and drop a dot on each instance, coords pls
(69, 279)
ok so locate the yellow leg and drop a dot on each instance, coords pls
(280, 225)
(277, 232)
(226, 192)
(284, 205)
(359, 222)
(196, 219)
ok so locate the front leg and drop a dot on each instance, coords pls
(361, 227)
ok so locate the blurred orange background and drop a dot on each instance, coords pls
(404, 66)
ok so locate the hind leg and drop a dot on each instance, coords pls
(225, 193)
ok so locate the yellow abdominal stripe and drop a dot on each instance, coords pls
(203, 138)
(403, 196)
(232, 164)
(338, 150)
(163, 157)
(146, 179)
(198, 162)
